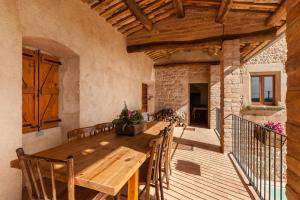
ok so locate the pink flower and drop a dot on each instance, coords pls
(130, 113)
(275, 126)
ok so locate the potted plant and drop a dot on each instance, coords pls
(129, 122)
(269, 132)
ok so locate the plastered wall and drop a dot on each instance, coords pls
(108, 75)
(10, 101)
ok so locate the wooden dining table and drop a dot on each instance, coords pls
(107, 162)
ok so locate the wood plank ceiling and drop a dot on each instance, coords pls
(162, 28)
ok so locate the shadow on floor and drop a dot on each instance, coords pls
(197, 144)
(188, 167)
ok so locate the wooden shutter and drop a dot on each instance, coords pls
(29, 91)
(144, 97)
(40, 91)
(49, 91)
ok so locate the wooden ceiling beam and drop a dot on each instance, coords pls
(155, 16)
(138, 13)
(149, 10)
(178, 4)
(224, 10)
(186, 63)
(258, 36)
(255, 51)
(155, 19)
(247, 49)
(119, 15)
(100, 5)
(278, 16)
(271, 7)
(261, 46)
(112, 8)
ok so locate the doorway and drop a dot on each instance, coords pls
(199, 104)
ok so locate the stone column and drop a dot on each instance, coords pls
(293, 99)
(230, 89)
(214, 93)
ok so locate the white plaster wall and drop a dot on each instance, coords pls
(108, 75)
(10, 101)
(37, 141)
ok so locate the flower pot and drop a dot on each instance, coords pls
(132, 130)
(268, 138)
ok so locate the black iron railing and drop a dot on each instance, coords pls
(260, 152)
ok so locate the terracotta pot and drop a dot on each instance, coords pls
(132, 130)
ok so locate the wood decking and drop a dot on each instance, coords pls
(199, 171)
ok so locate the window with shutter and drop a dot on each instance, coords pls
(40, 91)
(144, 97)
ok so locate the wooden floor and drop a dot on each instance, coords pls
(200, 171)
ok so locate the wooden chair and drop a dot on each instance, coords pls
(108, 126)
(151, 169)
(38, 187)
(80, 133)
(167, 154)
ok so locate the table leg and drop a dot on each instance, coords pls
(133, 186)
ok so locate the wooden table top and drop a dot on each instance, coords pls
(107, 161)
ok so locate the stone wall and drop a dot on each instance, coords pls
(107, 74)
(172, 86)
(274, 53)
(214, 94)
(270, 61)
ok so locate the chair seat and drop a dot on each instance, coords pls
(81, 193)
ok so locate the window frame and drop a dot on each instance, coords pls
(261, 89)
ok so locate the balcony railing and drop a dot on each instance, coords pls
(260, 152)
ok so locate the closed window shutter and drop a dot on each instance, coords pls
(40, 91)
(29, 91)
(49, 91)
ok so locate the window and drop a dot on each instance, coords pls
(39, 91)
(262, 89)
(144, 97)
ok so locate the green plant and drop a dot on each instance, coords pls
(128, 118)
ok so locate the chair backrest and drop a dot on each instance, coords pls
(170, 136)
(154, 162)
(34, 170)
(108, 126)
(80, 133)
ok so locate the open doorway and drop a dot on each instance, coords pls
(199, 104)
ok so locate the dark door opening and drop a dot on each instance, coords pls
(199, 104)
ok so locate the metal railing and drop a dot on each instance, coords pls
(260, 152)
